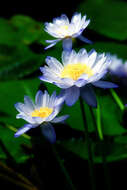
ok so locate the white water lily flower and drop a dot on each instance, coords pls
(76, 74)
(61, 28)
(43, 113)
(118, 67)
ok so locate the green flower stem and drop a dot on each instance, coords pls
(63, 168)
(97, 122)
(99, 133)
(117, 99)
(88, 140)
(15, 130)
(99, 127)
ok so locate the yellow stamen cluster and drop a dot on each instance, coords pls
(74, 71)
(42, 112)
(63, 29)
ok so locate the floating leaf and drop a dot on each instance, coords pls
(107, 17)
(115, 151)
(111, 116)
(18, 61)
(13, 145)
(11, 93)
(8, 34)
(29, 30)
(109, 47)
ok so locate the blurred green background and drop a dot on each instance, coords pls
(22, 42)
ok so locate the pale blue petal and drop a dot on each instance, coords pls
(91, 52)
(45, 99)
(78, 33)
(97, 77)
(47, 78)
(68, 81)
(38, 99)
(26, 118)
(92, 57)
(67, 44)
(65, 18)
(54, 113)
(49, 132)
(65, 57)
(85, 22)
(105, 84)
(80, 82)
(52, 41)
(68, 56)
(51, 45)
(22, 108)
(52, 99)
(23, 130)
(76, 18)
(38, 120)
(53, 63)
(61, 85)
(29, 103)
(59, 100)
(71, 95)
(82, 52)
(60, 119)
(82, 38)
(61, 96)
(89, 96)
(60, 20)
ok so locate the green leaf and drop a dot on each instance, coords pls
(22, 29)
(13, 145)
(29, 30)
(121, 139)
(111, 116)
(109, 47)
(75, 120)
(107, 17)
(8, 34)
(111, 121)
(18, 61)
(115, 151)
(11, 93)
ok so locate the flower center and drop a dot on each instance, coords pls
(42, 112)
(63, 29)
(74, 71)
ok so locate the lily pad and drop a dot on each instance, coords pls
(29, 30)
(18, 61)
(115, 151)
(109, 47)
(11, 93)
(107, 17)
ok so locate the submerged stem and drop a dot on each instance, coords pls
(90, 157)
(117, 99)
(99, 132)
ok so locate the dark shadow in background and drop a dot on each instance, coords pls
(43, 10)
(46, 11)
